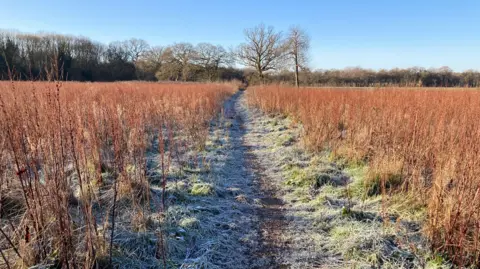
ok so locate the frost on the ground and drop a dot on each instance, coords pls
(328, 225)
(217, 214)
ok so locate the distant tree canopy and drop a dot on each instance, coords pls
(41, 56)
(407, 77)
(268, 56)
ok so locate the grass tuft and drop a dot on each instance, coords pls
(202, 189)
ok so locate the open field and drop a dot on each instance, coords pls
(419, 149)
(78, 160)
(240, 135)
(166, 175)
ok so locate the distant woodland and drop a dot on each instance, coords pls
(46, 56)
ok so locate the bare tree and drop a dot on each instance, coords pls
(116, 52)
(152, 59)
(297, 46)
(151, 62)
(184, 54)
(211, 57)
(136, 48)
(263, 49)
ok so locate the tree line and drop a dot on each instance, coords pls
(40, 56)
(402, 77)
(267, 56)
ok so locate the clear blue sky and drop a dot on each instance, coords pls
(367, 33)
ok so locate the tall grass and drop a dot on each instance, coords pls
(70, 152)
(421, 142)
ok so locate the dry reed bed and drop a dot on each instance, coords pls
(421, 142)
(71, 151)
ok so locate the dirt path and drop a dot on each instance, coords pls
(268, 220)
(271, 219)
(283, 230)
(281, 237)
(271, 223)
(262, 201)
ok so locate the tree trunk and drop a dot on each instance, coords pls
(297, 82)
(260, 73)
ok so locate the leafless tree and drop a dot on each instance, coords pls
(137, 48)
(184, 54)
(117, 51)
(151, 62)
(263, 49)
(152, 59)
(211, 57)
(297, 46)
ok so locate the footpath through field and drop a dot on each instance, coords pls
(286, 236)
(265, 202)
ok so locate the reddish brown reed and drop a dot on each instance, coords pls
(424, 142)
(65, 144)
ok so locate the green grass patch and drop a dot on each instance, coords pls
(299, 177)
(437, 262)
(202, 189)
(189, 223)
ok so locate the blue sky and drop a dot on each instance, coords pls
(368, 33)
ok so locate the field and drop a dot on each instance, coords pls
(167, 175)
(74, 155)
(420, 145)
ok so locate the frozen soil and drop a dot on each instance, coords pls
(254, 198)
